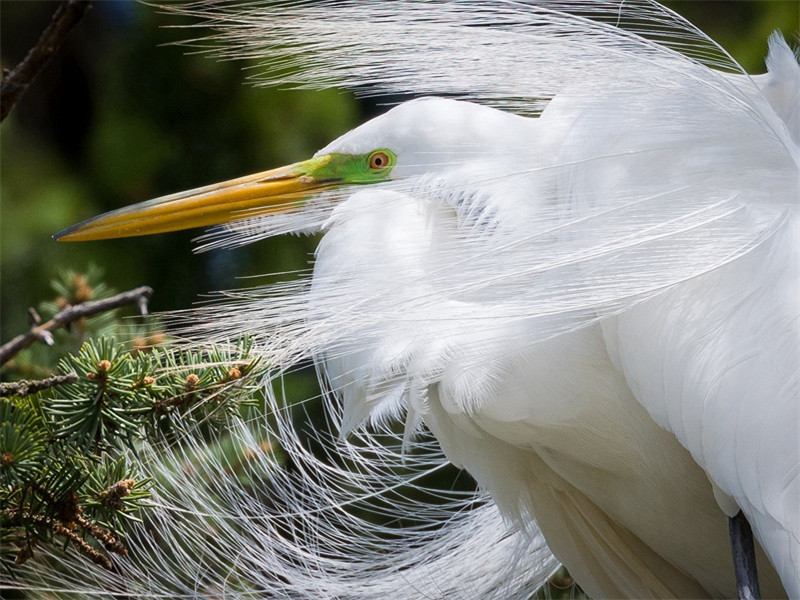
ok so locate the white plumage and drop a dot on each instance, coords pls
(591, 304)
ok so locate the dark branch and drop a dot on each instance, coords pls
(17, 81)
(25, 387)
(138, 296)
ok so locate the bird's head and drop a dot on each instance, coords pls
(415, 138)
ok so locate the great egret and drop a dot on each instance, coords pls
(594, 310)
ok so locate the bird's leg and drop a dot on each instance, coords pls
(744, 557)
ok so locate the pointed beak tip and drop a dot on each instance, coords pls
(66, 235)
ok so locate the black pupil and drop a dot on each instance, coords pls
(377, 160)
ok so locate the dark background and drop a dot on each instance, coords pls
(118, 117)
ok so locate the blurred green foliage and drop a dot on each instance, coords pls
(118, 117)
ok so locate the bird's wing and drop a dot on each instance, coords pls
(715, 359)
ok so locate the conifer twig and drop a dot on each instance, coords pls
(68, 314)
(17, 81)
(25, 387)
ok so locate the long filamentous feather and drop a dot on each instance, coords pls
(230, 522)
(444, 56)
(621, 246)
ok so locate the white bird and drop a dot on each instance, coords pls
(584, 285)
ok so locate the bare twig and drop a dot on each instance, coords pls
(26, 387)
(71, 313)
(17, 81)
(33, 317)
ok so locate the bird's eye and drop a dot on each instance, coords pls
(378, 160)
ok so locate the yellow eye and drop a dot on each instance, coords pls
(378, 160)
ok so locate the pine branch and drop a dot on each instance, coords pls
(27, 387)
(17, 81)
(67, 315)
(66, 530)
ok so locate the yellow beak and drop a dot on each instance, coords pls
(278, 190)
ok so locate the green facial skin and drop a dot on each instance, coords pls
(349, 168)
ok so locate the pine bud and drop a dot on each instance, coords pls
(82, 291)
(113, 496)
